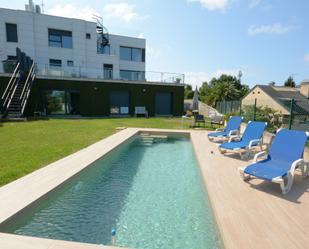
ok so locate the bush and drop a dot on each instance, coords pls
(228, 115)
(266, 114)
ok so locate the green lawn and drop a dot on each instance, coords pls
(27, 146)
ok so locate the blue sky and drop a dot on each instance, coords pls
(267, 39)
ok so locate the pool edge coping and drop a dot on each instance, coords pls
(50, 173)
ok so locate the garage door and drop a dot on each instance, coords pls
(163, 103)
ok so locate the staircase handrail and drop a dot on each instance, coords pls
(10, 89)
(26, 83)
(9, 85)
(27, 87)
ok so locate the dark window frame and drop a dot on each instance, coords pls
(54, 63)
(66, 101)
(57, 36)
(142, 52)
(88, 36)
(9, 36)
(70, 63)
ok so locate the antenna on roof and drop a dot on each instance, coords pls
(42, 6)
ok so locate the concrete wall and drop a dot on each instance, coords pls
(263, 99)
(204, 109)
(32, 29)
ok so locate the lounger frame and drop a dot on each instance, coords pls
(284, 182)
(252, 144)
(231, 133)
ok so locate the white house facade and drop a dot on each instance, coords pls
(69, 46)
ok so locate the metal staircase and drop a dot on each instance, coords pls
(103, 35)
(16, 94)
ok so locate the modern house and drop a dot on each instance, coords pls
(279, 98)
(54, 65)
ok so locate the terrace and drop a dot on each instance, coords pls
(249, 215)
(56, 71)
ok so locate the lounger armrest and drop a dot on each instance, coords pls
(252, 143)
(258, 155)
(220, 129)
(234, 137)
(233, 132)
(295, 164)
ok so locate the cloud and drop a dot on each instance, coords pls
(197, 78)
(254, 3)
(122, 11)
(274, 29)
(153, 53)
(306, 58)
(72, 11)
(141, 35)
(212, 4)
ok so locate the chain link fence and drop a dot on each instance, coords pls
(292, 116)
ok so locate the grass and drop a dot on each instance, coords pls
(27, 146)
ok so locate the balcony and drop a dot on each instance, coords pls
(109, 75)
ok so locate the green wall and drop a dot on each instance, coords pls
(94, 96)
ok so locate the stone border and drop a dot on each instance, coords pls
(34, 187)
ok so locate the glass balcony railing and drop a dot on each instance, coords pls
(108, 74)
(56, 70)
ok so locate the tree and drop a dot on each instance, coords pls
(226, 87)
(290, 82)
(188, 92)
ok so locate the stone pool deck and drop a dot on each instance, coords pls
(249, 214)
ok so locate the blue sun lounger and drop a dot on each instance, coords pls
(251, 137)
(232, 128)
(285, 156)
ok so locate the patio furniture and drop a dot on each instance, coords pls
(232, 128)
(140, 110)
(199, 119)
(217, 119)
(251, 138)
(285, 156)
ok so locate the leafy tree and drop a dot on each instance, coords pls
(226, 87)
(188, 91)
(290, 82)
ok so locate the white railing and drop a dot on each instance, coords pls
(108, 74)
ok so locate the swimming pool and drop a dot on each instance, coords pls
(150, 193)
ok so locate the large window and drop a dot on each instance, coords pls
(11, 32)
(62, 102)
(60, 38)
(132, 54)
(132, 75)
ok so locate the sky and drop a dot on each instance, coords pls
(268, 40)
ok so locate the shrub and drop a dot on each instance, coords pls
(266, 114)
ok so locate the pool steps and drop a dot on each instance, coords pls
(146, 139)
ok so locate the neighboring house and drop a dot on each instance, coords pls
(81, 69)
(279, 99)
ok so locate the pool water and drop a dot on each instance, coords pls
(152, 195)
